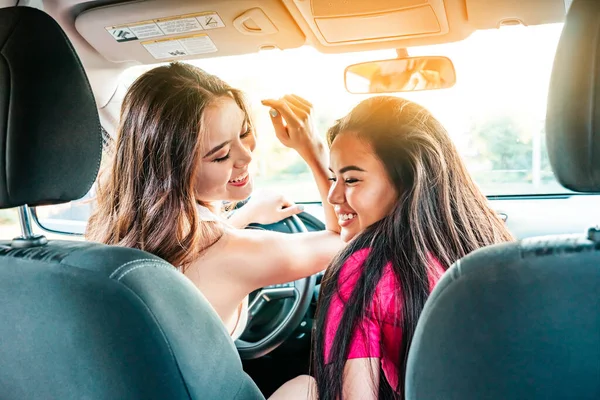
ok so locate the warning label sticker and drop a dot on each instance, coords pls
(210, 21)
(166, 26)
(145, 31)
(123, 34)
(172, 26)
(180, 46)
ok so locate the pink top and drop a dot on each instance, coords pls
(381, 329)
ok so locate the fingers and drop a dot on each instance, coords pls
(283, 108)
(292, 210)
(285, 203)
(278, 124)
(303, 100)
(294, 102)
(300, 113)
(299, 102)
(294, 98)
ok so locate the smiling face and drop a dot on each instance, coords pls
(362, 192)
(222, 174)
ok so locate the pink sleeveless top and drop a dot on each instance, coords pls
(381, 328)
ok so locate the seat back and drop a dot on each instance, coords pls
(512, 321)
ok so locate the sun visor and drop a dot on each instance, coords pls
(165, 30)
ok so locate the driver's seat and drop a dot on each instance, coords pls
(81, 320)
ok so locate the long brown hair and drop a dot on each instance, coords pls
(146, 199)
(440, 213)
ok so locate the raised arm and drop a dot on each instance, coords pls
(294, 127)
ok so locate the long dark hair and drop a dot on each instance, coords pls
(440, 213)
(146, 199)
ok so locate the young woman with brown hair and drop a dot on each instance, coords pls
(183, 147)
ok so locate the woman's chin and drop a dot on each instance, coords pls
(237, 193)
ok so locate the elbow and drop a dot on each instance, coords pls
(333, 228)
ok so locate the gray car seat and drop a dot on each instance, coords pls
(81, 320)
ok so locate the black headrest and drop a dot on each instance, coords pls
(50, 135)
(512, 321)
(573, 116)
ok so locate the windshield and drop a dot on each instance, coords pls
(495, 113)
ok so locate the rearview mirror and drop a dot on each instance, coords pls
(408, 74)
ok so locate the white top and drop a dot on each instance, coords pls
(206, 214)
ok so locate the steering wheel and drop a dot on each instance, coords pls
(301, 291)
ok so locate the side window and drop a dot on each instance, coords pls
(9, 224)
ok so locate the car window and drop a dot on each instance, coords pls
(495, 113)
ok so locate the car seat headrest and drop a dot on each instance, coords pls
(573, 114)
(50, 134)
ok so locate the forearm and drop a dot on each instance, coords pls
(290, 257)
(318, 164)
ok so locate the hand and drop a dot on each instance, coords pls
(424, 80)
(265, 207)
(297, 131)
